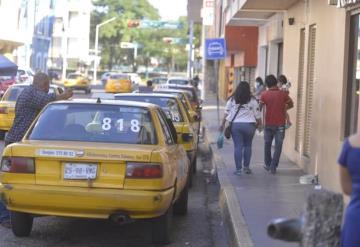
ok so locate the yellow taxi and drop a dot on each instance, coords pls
(78, 81)
(97, 159)
(175, 111)
(118, 83)
(7, 105)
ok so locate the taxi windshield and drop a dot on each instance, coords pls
(95, 123)
(169, 105)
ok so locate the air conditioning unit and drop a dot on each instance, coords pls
(333, 2)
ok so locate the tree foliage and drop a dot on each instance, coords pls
(151, 40)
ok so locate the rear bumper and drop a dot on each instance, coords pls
(114, 90)
(85, 202)
(78, 87)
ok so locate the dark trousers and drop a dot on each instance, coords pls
(271, 133)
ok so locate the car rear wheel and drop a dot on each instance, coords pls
(181, 205)
(21, 223)
(2, 134)
(194, 164)
(161, 228)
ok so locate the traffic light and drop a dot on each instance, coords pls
(133, 23)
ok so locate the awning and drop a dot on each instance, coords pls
(343, 3)
(7, 68)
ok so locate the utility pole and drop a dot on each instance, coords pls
(97, 46)
(190, 57)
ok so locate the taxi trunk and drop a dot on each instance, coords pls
(88, 166)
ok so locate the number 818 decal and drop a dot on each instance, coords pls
(106, 124)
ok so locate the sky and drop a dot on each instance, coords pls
(170, 9)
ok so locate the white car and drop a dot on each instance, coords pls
(25, 75)
(135, 78)
(179, 81)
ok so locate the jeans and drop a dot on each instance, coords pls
(271, 132)
(242, 135)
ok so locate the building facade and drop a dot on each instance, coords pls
(315, 43)
(11, 33)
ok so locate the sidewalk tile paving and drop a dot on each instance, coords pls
(261, 195)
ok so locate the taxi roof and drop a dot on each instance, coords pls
(106, 102)
(159, 90)
(155, 94)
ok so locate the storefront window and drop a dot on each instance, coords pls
(352, 87)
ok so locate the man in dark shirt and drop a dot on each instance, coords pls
(276, 103)
(28, 105)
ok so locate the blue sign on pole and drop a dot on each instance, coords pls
(215, 49)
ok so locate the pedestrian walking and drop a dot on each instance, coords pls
(259, 87)
(284, 85)
(242, 112)
(28, 105)
(276, 102)
(349, 161)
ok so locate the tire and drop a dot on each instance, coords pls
(21, 223)
(161, 228)
(2, 134)
(87, 91)
(181, 205)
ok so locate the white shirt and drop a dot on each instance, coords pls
(248, 112)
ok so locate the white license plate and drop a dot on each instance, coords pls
(80, 171)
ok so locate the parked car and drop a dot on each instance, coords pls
(78, 81)
(159, 80)
(5, 83)
(7, 105)
(175, 110)
(97, 159)
(25, 75)
(105, 77)
(118, 83)
(178, 81)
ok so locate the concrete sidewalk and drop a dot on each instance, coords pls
(249, 202)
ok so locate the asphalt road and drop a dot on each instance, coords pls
(201, 227)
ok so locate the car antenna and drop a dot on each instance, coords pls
(98, 101)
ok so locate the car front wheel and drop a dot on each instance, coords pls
(21, 223)
(161, 228)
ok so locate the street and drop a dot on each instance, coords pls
(201, 227)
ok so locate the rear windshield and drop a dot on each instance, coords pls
(189, 91)
(95, 123)
(73, 76)
(169, 105)
(119, 77)
(13, 93)
(178, 81)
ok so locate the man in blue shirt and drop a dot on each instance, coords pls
(28, 105)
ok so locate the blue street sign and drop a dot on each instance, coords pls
(215, 49)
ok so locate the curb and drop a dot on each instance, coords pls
(230, 208)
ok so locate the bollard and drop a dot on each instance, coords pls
(320, 225)
(285, 229)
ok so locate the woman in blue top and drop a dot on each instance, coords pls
(349, 161)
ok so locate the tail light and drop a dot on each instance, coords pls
(3, 110)
(18, 165)
(143, 170)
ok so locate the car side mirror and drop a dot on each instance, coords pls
(187, 137)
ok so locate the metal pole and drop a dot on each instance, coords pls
(191, 37)
(97, 46)
(96, 53)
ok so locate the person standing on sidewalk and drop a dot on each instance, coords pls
(28, 105)
(349, 161)
(276, 103)
(243, 110)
